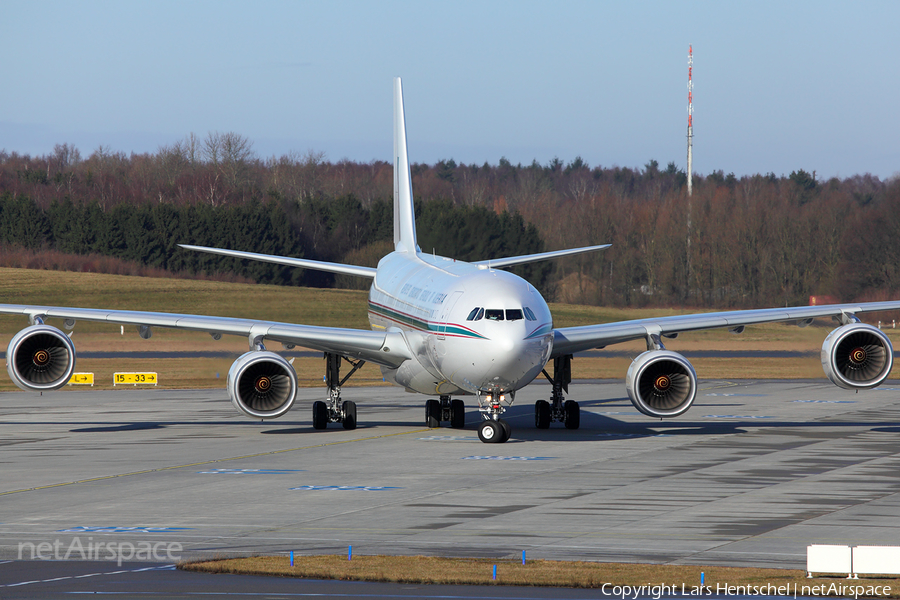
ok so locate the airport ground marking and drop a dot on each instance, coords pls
(613, 434)
(737, 417)
(725, 384)
(507, 457)
(344, 488)
(211, 462)
(159, 568)
(251, 471)
(825, 401)
(113, 529)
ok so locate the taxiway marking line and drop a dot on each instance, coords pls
(210, 462)
(159, 568)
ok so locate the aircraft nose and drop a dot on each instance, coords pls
(515, 360)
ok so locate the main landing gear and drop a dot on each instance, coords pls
(445, 409)
(493, 429)
(333, 410)
(558, 409)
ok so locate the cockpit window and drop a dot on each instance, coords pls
(476, 314)
(529, 315)
(493, 314)
(513, 314)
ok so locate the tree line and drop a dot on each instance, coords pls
(757, 240)
(322, 228)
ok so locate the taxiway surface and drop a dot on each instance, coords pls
(754, 473)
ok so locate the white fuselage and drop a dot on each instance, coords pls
(474, 330)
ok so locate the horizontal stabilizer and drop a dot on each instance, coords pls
(291, 262)
(519, 260)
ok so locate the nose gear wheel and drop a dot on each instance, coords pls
(493, 429)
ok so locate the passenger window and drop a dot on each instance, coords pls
(473, 315)
(529, 315)
(513, 314)
(493, 314)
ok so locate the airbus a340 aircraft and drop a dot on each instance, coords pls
(447, 328)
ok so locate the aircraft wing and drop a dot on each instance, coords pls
(388, 348)
(568, 340)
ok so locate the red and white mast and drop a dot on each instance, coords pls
(690, 129)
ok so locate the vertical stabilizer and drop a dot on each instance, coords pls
(404, 214)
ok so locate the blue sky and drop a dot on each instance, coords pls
(778, 86)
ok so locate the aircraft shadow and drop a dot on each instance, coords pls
(308, 428)
(593, 426)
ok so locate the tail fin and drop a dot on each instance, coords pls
(404, 213)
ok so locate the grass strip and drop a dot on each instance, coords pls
(578, 574)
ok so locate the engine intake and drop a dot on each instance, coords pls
(40, 358)
(262, 385)
(661, 383)
(857, 356)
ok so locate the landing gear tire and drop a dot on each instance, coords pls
(573, 414)
(507, 431)
(542, 414)
(490, 432)
(348, 409)
(320, 415)
(432, 413)
(457, 414)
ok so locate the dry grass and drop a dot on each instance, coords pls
(472, 571)
(53, 260)
(344, 308)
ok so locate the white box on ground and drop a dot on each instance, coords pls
(822, 558)
(876, 560)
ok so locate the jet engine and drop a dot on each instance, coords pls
(661, 383)
(857, 356)
(40, 358)
(262, 385)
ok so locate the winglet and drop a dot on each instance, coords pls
(404, 214)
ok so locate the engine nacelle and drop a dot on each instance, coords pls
(857, 356)
(40, 358)
(262, 385)
(661, 383)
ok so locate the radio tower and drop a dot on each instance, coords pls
(690, 132)
(690, 161)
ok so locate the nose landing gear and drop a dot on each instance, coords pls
(494, 430)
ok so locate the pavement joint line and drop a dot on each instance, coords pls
(210, 462)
